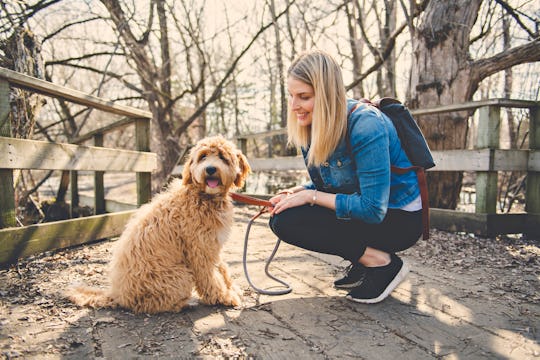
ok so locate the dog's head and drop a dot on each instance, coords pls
(215, 165)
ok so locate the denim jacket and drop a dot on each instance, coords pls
(358, 171)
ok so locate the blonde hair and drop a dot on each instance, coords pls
(329, 117)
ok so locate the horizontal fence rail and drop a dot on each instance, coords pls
(21, 242)
(448, 160)
(32, 154)
(17, 242)
(47, 88)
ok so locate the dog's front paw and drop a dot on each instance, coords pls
(232, 298)
(237, 290)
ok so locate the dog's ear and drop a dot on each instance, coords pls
(186, 172)
(244, 170)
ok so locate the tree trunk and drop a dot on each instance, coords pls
(441, 75)
(23, 54)
(156, 84)
(357, 44)
(388, 84)
(280, 141)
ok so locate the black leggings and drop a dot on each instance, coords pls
(318, 229)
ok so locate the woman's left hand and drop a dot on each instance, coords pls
(293, 200)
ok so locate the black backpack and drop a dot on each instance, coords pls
(413, 143)
(410, 135)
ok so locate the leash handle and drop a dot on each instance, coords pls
(250, 200)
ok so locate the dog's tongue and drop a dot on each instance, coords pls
(212, 183)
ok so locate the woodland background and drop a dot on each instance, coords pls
(218, 67)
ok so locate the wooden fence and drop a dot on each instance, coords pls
(17, 242)
(485, 160)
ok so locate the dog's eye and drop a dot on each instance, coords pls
(202, 157)
(223, 158)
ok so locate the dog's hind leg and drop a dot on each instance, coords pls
(161, 290)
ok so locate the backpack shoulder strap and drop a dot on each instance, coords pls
(424, 197)
(352, 109)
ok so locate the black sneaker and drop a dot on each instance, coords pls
(353, 278)
(379, 282)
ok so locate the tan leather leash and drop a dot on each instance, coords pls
(265, 204)
(250, 200)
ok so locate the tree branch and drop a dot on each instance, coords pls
(380, 59)
(511, 11)
(101, 72)
(83, 57)
(146, 69)
(32, 10)
(374, 51)
(66, 26)
(529, 52)
(391, 43)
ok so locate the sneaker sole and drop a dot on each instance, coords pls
(397, 280)
(348, 286)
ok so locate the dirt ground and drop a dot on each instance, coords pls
(466, 298)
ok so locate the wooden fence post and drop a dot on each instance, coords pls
(74, 185)
(144, 179)
(532, 197)
(99, 188)
(242, 144)
(7, 192)
(489, 122)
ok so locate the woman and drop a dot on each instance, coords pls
(354, 207)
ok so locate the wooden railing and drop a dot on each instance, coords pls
(17, 242)
(485, 160)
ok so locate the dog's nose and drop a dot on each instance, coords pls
(210, 170)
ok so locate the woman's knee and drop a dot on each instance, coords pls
(287, 222)
(278, 223)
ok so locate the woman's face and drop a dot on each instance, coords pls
(301, 100)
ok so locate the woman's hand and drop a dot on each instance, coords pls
(278, 197)
(285, 201)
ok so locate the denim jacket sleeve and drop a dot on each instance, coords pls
(309, 185)
(369, 144)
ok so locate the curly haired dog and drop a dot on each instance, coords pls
(172, 244)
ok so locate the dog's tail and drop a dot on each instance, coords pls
(83, 295)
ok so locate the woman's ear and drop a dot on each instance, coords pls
(244, 170)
